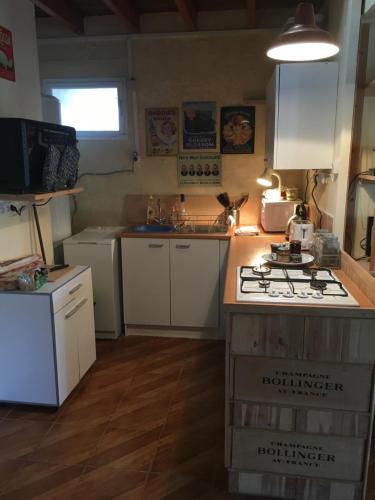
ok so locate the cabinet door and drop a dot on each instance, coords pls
(195, 268)
(146, 281)
(67, 360)
(306, 115)
(85, 328)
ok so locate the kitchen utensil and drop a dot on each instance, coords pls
(306, 259)
(223, 199)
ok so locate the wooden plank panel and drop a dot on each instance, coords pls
(272, 417)
(125, 9)
(188, 12)
(272, 485)
(298, 454)
(302, 383)
(63, 10)
(274, 335)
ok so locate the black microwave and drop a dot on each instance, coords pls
(23, 145)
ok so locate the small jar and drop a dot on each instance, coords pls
(295, 246)
(292, 193)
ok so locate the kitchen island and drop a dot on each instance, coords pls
(299, 388)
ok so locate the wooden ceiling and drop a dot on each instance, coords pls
(72, 12)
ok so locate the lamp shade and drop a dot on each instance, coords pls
(304, 41)
(265, 178)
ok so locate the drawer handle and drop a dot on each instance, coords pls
(182, 247)
(75, 309)
(155, 245)
(75, 289)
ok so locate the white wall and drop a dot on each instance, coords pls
(22, 98)
(228, 69)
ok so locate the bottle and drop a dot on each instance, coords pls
(183, 215)
(151, 210)
(174, 216)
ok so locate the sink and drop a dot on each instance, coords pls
(152, 228)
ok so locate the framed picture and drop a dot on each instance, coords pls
(237, 130)
(7, 69)
(199, 125)
(162, 131)
(198, 169)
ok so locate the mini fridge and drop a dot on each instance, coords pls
(99, 248)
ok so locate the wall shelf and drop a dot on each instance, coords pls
(367, 178)
(369, 89)
(39, 197)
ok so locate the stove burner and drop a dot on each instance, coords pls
(318, 284)
(309, 272)
(264, 283)
(261, 270)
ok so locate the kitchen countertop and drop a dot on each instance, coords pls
(247, 250)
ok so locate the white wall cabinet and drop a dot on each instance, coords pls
(47, 339)
(171, 282)
(301, 116)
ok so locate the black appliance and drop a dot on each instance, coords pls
(23, 146)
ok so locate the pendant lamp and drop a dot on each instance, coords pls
(304, 41)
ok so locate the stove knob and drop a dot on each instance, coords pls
(317, 295)
(303, 295)
(273, 293)
(288, 294)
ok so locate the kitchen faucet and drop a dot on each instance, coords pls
(159, 219)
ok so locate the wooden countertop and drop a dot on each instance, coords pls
(247, 250)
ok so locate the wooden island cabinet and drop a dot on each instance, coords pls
(299, 392)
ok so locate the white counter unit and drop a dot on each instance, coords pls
(47, 339)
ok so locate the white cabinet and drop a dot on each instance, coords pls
(171, 282)
(146, 281)
(194, 283)
(301, 115)
(47, 339)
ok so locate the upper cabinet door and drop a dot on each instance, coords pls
(301, 116)
(195, 268)
(146, 280)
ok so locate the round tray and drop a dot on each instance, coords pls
(306, 259)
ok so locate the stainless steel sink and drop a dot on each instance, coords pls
(151, 228)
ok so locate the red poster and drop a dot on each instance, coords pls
(7, 70)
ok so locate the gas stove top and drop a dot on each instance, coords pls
(291, 286)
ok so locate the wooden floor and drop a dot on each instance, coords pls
(146, 423)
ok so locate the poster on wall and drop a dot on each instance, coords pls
(198, 169)
(162, 131)
(199, 125)
(237, 130)
(7, 69)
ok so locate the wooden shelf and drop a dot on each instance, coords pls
(367, 178)
(37, 197)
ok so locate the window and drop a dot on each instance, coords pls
(95, 108)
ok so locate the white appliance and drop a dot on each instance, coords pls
(274, 215)
(281, 285)
(303, 231)
(99, 248)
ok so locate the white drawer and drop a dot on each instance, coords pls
(74, 290)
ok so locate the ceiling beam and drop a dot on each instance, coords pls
(126, 10)
(251, 6)
(63, 10)
(188, 13)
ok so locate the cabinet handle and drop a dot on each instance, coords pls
(155, 245)
(75, 309)
(182, 247)
(75, 289)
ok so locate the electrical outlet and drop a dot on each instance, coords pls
(326, 177)
(4, 207)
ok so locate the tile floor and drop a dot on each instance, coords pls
(146, 423)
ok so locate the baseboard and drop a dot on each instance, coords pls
(183, 333)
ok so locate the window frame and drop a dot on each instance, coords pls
(87, 83)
